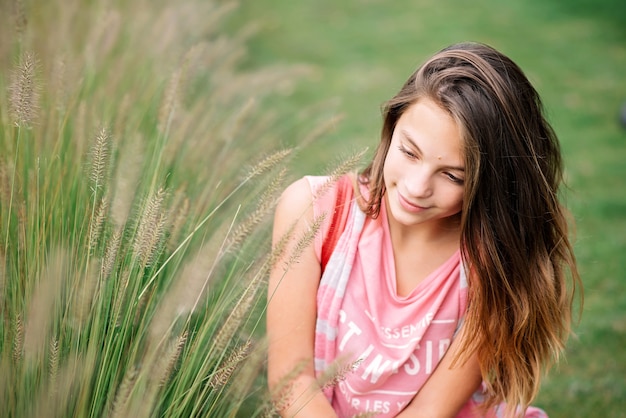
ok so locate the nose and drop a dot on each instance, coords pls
(419, 182)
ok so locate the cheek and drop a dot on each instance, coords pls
(459, 200)
(455, 198)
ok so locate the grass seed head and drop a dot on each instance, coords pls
(18, 339)
(268, 162)
(305, 240)
(97, 222)
(265, 204)
(120, 404)
(281, 395)
(346, 165)
(100, 159)
(234, 320)
(24, 91)
(226, 369)
(53, 361)
(337, 372)
(174, 352)
(151, 228)
(110, 253)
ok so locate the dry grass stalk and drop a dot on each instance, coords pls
(231, 325)
(173, 354)
(268, 162)
(18, 339)
(100, 158)
(237, 315)
(337, 372)
(110, 254)
(40, 308)
(279, 248)
(281, 395)
(305, 240)
(53, 362)
(226, 369)
(150, 229)
(24, 91)
(345, 166)
(97, 222)
(120, 404)
(248, 372)
(264, 207)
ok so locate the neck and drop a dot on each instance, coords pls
(439, 233)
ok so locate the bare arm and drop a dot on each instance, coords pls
(447, 390)
(291, 312)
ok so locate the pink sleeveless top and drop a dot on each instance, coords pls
(396, 341)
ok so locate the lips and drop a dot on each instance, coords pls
(408, 206)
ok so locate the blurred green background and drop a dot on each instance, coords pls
(574, 52)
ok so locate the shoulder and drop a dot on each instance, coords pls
(294, 207)
(314, 195)
(297, 195)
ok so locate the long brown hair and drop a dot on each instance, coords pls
(514, 234)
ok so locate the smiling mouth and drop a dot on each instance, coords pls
(408, 205)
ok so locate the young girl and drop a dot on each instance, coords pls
(447, 291)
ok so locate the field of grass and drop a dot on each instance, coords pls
(139, 167)
(142, 147)
(575, 54)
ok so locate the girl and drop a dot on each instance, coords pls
(446, 293)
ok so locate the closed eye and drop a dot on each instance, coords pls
(454, 178)
(407, 152)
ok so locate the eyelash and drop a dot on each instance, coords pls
(407, 152)
(454, 179)
(412, 156)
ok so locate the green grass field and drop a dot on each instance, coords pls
(575, 54)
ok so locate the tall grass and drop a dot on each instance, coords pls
(137, 166)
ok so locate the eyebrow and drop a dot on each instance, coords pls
(408, 137)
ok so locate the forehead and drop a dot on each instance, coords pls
(427, 120)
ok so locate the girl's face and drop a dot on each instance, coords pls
(424, 167)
